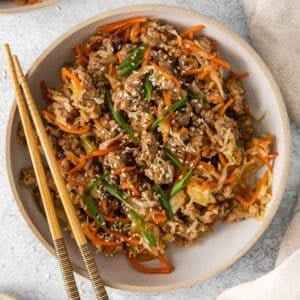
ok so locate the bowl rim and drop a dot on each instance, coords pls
(26, 8)
(278, 99)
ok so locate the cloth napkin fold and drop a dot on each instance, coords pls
(275, 33)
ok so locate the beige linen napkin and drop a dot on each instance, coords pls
(275, 32)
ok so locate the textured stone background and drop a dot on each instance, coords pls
(27, 270)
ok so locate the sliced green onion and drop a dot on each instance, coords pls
(148, 88)
(164, 200)
(115, 192)
(173, 158)
(94, 211)
(181, 183)
(86, 143)
(132, 61)
(174, 107)
(137, 219)
(198, 96)
(96, 182)
(118, 117)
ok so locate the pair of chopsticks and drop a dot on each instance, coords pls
(26, 102)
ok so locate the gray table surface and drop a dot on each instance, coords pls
(27, 270)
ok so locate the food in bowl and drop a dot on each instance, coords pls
(155, 140)
(22, 2)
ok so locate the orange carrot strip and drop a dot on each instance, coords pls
(120, 57)
(65, 73)
(127, 35)
(238, 75)
(273, 154)
(246, 189)
(159, 217)
(193, 72)
(80, 58)
(192, 30)
(122, 237)
(129, 185)
(206, 152)
(167, 98)
(204, 73)
(223, 109)
(80, 165)
(146, 57)
(64, 128)
(254, 197)
(208, 185)
(217, 98)
(191, 35)
(222, 159)
(101, 152)
(265, 160)
(117, 25)
(166, 269)
(135, 32)
(218, 60)
(110, 70)
(45, 92)
(230, 180)
(118, 171)
(165, 74)
(115, 220)
(241, 199)
(96, 241)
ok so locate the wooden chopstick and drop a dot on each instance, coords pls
(56, 233)
(61, 187)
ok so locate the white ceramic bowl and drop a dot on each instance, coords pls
(11, 7)
(227, 243)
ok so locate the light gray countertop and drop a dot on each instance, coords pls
(27, 270)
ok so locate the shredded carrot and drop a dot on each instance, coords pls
(211, 206)
(192, 30)
(65, 73)
(221, 62)
(72, 157)
(45, 92)
(246, 189)
(64, 128)
(167, 98)
(238, 75)
(166, 269)
(208, 185)
(146, 57)
(104, 208)
(191, 35)
(136, 28)
(265, 160)
(217, 99)
(159, 217)
(80, 165)
(273, 154)
(223, 109)
(80, 58)
(196, 160)
(122, 237)
(110, 70)
(214, 45)
(115, 219)
(96, 241)
(204, 73)
(120, 57)
(165, 74)
(113, 26)
(101, 152)
(129, 185)
(230, 180)
(127, 35)
(222, 159)
(118, 171)
(206, 152)
(206, 166)
(193, 72)
(254, 197)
